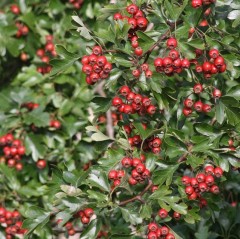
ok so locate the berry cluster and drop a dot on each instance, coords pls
(200, 3)
(116, 176)
(96, 66)
(76, 3)
(115, 118)
(102, 234)
(14, 8)
(199, 106)
(155, 232)
(139, 172)
(22, 29)
(171, 63)
(45, 54)
(85, 215)
(215, 65)
(135, 103)
(203, 182)
(153, 144)
(137, 20)
(69, 227)
(30, 106)
(13, 150)
(12, 221)
(143, 68)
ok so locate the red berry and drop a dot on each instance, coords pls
(196, 3)
(136, 73)
(170, 236)
(197, 88)
(214, 189)
(173, 54)
(198, 106)
(213, 53)
(132, 9)
(186, 180)
(117, 16)
(202, 187)
(142, 22)
(151, 109)
(134, 44)
(88, 212)
(158, 62)
(120, 174)
(156, 142)
(152, 227)
(112, 174)
(189, 190)
(85, 220)
(132, 22)
(177, 63)
(87, 69)
(219, 61)
(128, 109)
(41, 163)
(185, 63)
(15, 9)
(132, 181)
(206, 108)
(209, 170)
(218, 172)
(138, 51)
(171, 43)
(127, 162)
(194, 182)
(140, 168)
(116, 101)
(188, 103)
(167, 62)
(200, 177)
(209, 180)
(97, 50)
(187, 111)
(107, 67)
(198, 68)
(207, 67)
(193, 196)
(217, 93)
(152, 235)
(163, 213)
(101, 61)
(176, 215)
(148, 73)
(164, 230)
(222, 68)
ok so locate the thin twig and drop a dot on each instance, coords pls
(139, 196)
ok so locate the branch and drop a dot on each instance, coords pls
(149, 51)
(139, 196)
(184, 156)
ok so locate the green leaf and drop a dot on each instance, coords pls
(67, 60)
(99, 179)
(220, 112)
(164, 175)
(92, 230)
(71, 190)
(146, 211)
(37, 218)
(131, 216)
(234, 161)
(234, 92)
(197, 43)
(34, 147)
(37, 117)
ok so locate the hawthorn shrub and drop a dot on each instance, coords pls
(120, 120)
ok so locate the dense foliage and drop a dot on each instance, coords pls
(120, 120)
